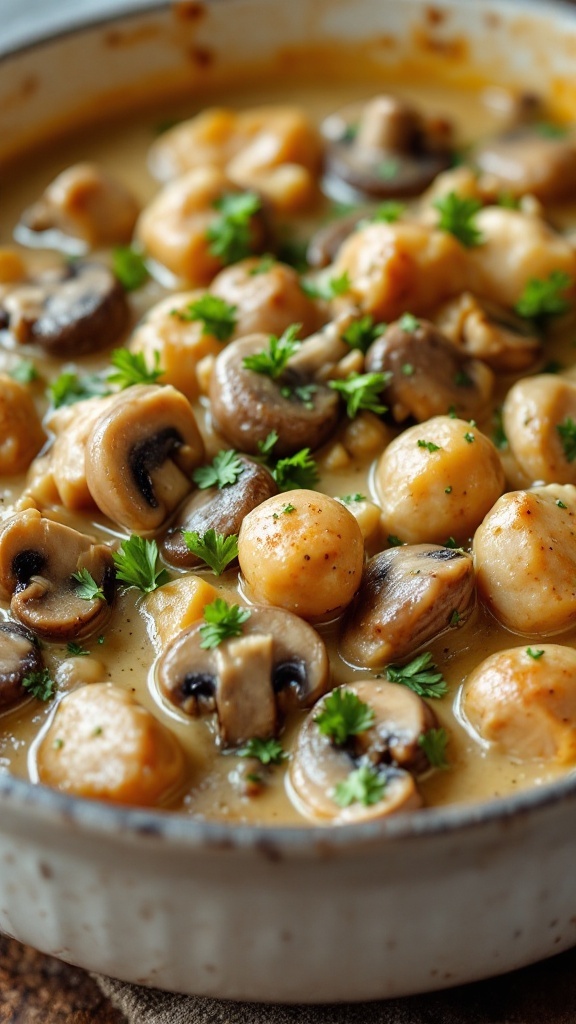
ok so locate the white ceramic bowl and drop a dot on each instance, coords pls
(418, 902)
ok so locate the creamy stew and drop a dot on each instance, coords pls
(333, 334)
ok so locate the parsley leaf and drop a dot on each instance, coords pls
(136, 564)
(567, 432)
(24, 372)
(40, 684)
(215, 549)
(76, 650)
(218, 318)
(327, 289)
(457, 218)
(266, 446)
(395, 541)
(420, 675)
(362, 391)
(344, 715)
(229, 235)
(365, 785)
(272, 361)
(349, 498)
(543, 298)
(434, 743)
(224, 469)
(498, 433)
(88, 589)
(131, 368)
(409, 323)
(267, 751)
(429, 445)
(534, 653)
(129, 267)
(264, 265)
(362, 333)
(71, 387)
(221, 622)
(388, 212)
(296, 471)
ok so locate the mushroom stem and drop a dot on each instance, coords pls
(244, 696)
(319, 354)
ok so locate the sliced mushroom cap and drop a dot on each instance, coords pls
(488, 331)
(429, 375)
(20, 655)
(531, 159)
(279, 662)
(384, 148)
(38, 557)
(247, 406)
(140, 456)
(69, 311)
(221, 509)
(391, 746)
(408, 596)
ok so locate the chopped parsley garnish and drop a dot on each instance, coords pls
(457, 215)
(455, 617)
(395, 541)
(535, 654)
(87, 587)
(285, 511)
(296, 471)
(230, 235)
(388, 212)
(450, 543)
(264, 265)
(469, 437)
(222, 621)
(434, 743)
(40, 684)
(348, 499)
(129, 268)
(272, 361)
(463, 380)
(498, 433)
(137, 564)
(420, 675)
(266, 446)
(224, 470)
(508, 201)
(408, 323)
(76, 650)
(551, 130)
(24, 372)
(131, 368)
(365, 785)
(344, 715)
(327, 289)
(429, 445)
(388, 169)
(266, 751)
(218, 318)
(362, 333)
(448, 490)
(302, 392)
(407, 370)
(561, 503)
(567, 432)
(362, 391)
(215, 549)
(71, 387)
(544, 298)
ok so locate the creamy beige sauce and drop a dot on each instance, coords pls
(212, 788)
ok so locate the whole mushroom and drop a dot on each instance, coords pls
(38, 560)
(20, 656)
(278, 662)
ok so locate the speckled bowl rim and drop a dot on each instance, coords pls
(40, 803)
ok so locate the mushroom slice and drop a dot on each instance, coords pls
(20, 655)
(38, 559)
(531, 160)
(408, 596)
(247, 406)
(221, 509)
(140, 456)
(390, 747)
(490, 332)
(428, 375)
(278, 663)
(69, 311)
(384, 148)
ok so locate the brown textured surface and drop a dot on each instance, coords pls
(36, 989)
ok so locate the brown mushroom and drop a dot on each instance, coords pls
(390, 747)
(20, 656)
(83, 203)
(217, 508)
(325, 242)
(428, 375)
(408, 596)
(140, 455)
(535, 159)
(384, 148)
(278, 663)
(38, 560)
(70, 310)
(247, 406)
(490, 332)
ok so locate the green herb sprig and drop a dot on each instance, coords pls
(222, 621)
(137, 564)
(215, 549)
(344, 715)
(420, 675)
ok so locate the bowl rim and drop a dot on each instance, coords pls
(100, 818)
